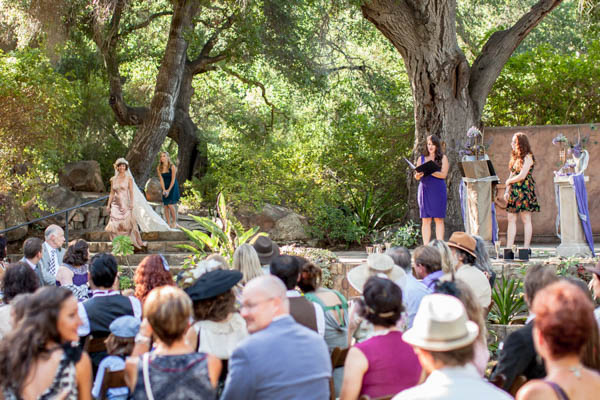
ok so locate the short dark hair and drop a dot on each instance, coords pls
(454, 358)
(31, 247)
(310, 277)
(538, 276)
(429, 257)
(19, 278)
(103, 270)
(77, 253)
(401, 256)
(287, 269)
(382, 304)
(464, 257)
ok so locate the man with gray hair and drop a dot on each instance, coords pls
(281, 359)
(413, 290)
(52, 253)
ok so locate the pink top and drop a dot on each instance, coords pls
(393, 365)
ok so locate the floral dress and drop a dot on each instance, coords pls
(521, 196)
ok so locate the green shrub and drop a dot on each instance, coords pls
(320, 257)
(508, 301)
(335, 226)
(407, 235)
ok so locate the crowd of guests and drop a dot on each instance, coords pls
(266, 328)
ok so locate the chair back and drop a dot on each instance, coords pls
(338, 358)
(112, 379)
(520, 380)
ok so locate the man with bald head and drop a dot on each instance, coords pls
(52, 253)
(281, 359)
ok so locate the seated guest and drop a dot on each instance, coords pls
(428, 266)
(461, 291)
(377, 264)
(18, 306)
(37, 359)
(413, 290)
(266, 250)
(383, 364)
(595, 285)
(245, 260)
(119, 345)
(19, 278)
(152, 272)
(463, 246)
(281, 359)
(287, 268)
(443, 337)
(218, 328)
(447, 258)
(32, 254)
(563, 322)
(52, 253)
(173, 370)
(517, 355)
(3, 261)
(106, 303)
(482, 260)
(75, 260)
(335, 308)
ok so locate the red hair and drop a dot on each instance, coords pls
(150, 274)
(517, 156)
(565, 317)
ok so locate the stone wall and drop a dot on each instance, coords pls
(547, 161)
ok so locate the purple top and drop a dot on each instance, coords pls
(430, 280)
(393, 365)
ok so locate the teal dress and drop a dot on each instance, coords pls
(173, 197)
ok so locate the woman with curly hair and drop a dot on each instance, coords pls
(75, 269)
(152, 272)
(19, 278)
(564, 320)
(520, 190)
(38, 359)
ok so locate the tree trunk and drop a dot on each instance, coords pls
(156, 126)
(449, 96)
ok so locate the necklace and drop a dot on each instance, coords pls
(576, 370)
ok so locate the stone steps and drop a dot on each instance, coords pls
(101, 236)
(162, 246)
(173, 259)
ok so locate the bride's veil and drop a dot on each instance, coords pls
(145, 216)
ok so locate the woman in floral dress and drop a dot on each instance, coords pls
(520, 190)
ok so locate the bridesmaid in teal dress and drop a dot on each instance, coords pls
(167, 175)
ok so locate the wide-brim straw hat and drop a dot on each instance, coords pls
(266, 249)
(463, 241)
(441, 324)
(377, 264)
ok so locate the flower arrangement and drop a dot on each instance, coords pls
(571, 152)
(473, 146)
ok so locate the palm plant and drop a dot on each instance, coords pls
(221, 238)
(508, 301)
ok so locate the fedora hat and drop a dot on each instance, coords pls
(213, 283)
(441, 324)
(266, 249)
(377, 265)
(463, 241)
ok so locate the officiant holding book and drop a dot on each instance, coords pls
(431, 172)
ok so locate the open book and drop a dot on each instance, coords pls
(427, 168)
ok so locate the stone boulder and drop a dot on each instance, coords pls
(12, 215)
(153, 190)
(57, 198)
(82, 176)
(281, 223)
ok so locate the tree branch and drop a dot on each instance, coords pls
(201, 63)
(145, 23)
(499, 48)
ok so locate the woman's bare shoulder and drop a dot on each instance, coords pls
(534, 390)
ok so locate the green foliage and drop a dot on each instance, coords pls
(508, 301)
(222, 238)
(320, 257)
(335, 226)
(369, 211)
(407, 235)
(126, 278)
(122, 246)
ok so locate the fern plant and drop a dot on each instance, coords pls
(508, 301)
(223, 239)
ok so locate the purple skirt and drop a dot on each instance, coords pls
(432, 197)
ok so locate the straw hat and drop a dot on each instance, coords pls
(441, 324)
(463, 241)
(377, 265)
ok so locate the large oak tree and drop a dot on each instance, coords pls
(449, 94)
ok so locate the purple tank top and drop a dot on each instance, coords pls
(393, 365)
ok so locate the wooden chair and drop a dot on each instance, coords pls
(112, 379)
(338, 358)
(94, 345)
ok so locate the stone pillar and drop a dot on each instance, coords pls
(572, 240)
(479, 208)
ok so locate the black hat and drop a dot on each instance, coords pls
(266, 249)
(213, 283)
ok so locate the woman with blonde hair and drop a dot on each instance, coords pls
(245, 260)
(448, 260)
(167, 172)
